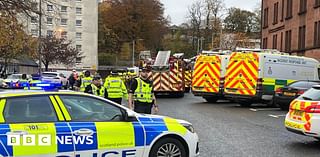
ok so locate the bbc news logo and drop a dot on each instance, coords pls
(46, 140)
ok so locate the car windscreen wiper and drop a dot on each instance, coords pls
(306, 98)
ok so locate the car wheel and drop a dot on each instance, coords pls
(211, 99)
(284, 107)
(168, 147)
(245, 103)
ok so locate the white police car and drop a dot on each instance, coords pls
(65, 124)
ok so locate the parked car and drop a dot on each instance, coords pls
(55, 77)
(12, 81)
(304, 114)
(284, 95)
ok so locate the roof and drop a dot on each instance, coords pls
(13, 93)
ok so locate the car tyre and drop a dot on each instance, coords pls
(211, 99)
(168, 147)
(284, 107)
(245, 103)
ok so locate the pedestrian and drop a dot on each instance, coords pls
(72, 81)
(115, 87)
(96, 88)
(85, 81)
(141, 97)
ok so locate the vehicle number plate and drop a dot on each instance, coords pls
(293, 125)
(289, 94)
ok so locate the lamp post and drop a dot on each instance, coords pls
(133, 49)
(39, 38)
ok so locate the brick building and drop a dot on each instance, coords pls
(292, 26)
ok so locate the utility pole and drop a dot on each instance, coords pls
(40, 34)
(133, 42)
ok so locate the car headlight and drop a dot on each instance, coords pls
(188, 127)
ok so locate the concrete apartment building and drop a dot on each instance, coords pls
(292, 26)
(77, 20)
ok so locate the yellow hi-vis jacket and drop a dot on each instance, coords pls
(143, 93)
(115, 87)
(95, 89)
(86, 81)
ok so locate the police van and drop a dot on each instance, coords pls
(254, 76)
(72, 124)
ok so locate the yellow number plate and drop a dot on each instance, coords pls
(289, 94)
(293, 125)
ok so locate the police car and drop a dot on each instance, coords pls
(304, 114)
(65, 123)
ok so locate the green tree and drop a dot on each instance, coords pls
(242, 21)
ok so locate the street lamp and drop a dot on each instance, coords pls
(133, 49)
(40, 23)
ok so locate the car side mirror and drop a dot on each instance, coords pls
(129, 115)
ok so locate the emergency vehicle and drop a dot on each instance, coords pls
(304, 114)
(255, 76)
(68, 124)
(188, 75)
(208, 75)
(168, 74)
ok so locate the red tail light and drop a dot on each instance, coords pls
(278, 90)
(259, 83)
(300, 92)
(314, 108)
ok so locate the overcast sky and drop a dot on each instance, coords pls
(178, 9)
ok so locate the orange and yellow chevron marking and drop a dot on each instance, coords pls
(168, 81)
(297, 105)
(188, 78)
(242, 74)
(206, 74)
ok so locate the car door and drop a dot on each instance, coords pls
(101, 123)
(31, 125)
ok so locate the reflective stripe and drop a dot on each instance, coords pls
(63, 108)
(115, 135)
(35, 129)
(56, 107)
(2, 105)
(174, 126)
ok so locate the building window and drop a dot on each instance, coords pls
(64, 34)
(275, 41)
(34, 6)
(317, 3)
(34, 32)
(275, 13)
(265, 17)
(288, 41)
(78, 60)
(79, 35)
(302, 38)
(49, 7)
(78, 10)
(78, 22)
(49, 20)
(281, 42)
(282, 10)
(289, 9)
(303, 6)
(64, 22)
(34, 19)
(265, 43)
(63, 9)
(49, 32)
(79, 48)
(316, 41)
(78, 0)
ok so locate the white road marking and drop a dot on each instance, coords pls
(277, 116)
(263, 109)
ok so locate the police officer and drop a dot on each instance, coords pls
(115, 87)
(96, 88)
(141, 97)
(85, 81)
(24, 82)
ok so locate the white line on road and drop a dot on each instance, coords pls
(277, 116)
(263, 109)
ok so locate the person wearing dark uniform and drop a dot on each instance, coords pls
(141, 97)
(96, 88)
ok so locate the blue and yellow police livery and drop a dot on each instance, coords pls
(65, 124)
